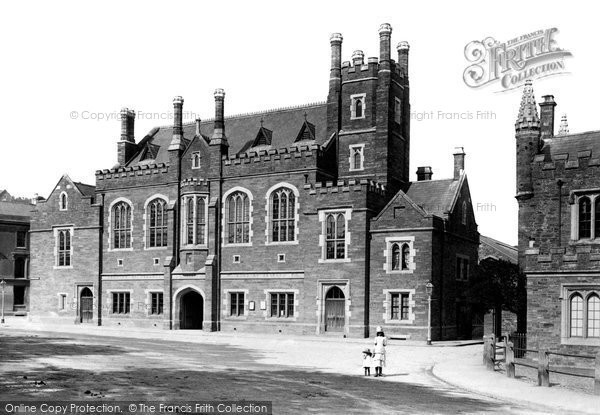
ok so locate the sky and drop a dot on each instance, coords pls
(68, 67)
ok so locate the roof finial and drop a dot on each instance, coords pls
(564, 126)
(528, 115)
(262, 120)
(305, 115)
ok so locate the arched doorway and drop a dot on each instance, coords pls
(86, 305)
(191, 311)
(335, 309)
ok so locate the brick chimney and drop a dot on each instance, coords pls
(334, 96)
(424, 173)
(198, 132)
(402, 49)
(126, 146)
(219, 137)
(385, 34)
(459, 162)
(547, 116)
(177, 140)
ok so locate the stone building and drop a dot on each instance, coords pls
(14, 252)
(295, 220)
(558, 191)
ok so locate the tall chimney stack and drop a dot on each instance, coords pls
(198, 122)
(547, 116)
(385, 34)
(126, 146)
(402, 49)
(218, 136)
(177, 140)
(358, 58)
(334, 96)
(459, 162)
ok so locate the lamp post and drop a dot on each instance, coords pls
(429, 290)
(2, 284)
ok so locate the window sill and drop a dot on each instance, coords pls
(362, 169)
(236, 318)
(400, 322)
(281, 319)
(282, 243)
(580, 341)
(227, 245)
(333, 261)
(120, 249)
(156, 248)
(405, 271)
(62, 267)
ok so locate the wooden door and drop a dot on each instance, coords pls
(86, 305)
(335, 310)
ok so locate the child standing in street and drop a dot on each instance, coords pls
(379, 352)
(367, 361)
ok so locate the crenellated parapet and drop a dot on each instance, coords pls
(582, 160)
(346, 186)
(267, 159)
(194, 185)
(122, 176)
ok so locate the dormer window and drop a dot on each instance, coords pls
(63, 201)
(357, 107)
(357, 157)
(196, 160)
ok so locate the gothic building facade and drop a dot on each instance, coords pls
(558, 191)
(297, 220)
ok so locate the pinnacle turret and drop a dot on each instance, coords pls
(563, 129)
(528, 116)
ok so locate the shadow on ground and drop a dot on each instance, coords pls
(224, 377)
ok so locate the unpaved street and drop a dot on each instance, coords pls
(299, 376)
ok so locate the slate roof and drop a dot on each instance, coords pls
(241, 130)
(85, 189)
(492, 247)
(15, 211)
(571, 144)
(434, 196)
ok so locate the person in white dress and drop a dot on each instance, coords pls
(367, 361)
(379, 352)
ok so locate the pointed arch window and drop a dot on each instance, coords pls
(63, 248)
(194, 218)
(335, 239)
(357, 106)
(405, 256)
(196, 160)
(121, 225)
(585, 217)
(576, 315)
(156, 214)
(593, 316)
(283, 215)
(63, 201)
(238, 218)
(396, 257)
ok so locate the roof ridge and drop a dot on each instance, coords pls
(504, 244)
(252, 113)
(572, 134)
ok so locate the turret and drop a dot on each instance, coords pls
(527, 129)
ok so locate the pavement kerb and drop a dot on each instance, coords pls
(525, 402)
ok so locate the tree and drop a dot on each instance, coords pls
(500, 285)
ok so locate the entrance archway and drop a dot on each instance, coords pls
(191, 311)
(86, 305)
(335, 309)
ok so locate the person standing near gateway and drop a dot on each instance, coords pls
(379, 352)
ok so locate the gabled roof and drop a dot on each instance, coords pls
(240, 130)
(84, 189)
(263, 138)
(436, 197)
(572, 144)
(307, 132)
(490, 247)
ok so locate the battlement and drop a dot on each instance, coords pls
(130, 171)
(193, 184)
(564, 161)
(345, 186)
(266, 154)
(370, 69)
